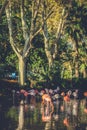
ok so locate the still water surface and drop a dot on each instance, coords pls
(66, 116)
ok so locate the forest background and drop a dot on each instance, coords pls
(43, 43)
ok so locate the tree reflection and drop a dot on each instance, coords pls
(71, 117)
(21, 116)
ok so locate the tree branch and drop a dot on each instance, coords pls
(8, 14)
(61, 24)
(36, 11)
(24, 25)
(3, 7)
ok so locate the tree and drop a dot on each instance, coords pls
(53, 28)
(76, 31)
(29, 32)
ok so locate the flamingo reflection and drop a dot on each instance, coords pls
(66, 121)
(47, 108)
(85, 104)
(75, 105)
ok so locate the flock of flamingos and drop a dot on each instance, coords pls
(52, 101)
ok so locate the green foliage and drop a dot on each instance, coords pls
(37, 67)
(12, 60)
(82, 67)
(4, 43)
(74, 20)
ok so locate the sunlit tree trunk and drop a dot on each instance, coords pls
(22, 71)
(47, 47)
(84, 73)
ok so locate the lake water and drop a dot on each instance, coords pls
(65, 116)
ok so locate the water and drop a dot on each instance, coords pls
(66, 116)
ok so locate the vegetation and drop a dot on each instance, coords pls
(44, 41)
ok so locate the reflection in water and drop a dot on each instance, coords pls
(85, 109)
(47, 108)
(21, 116)
(50, 125)
(66, 121)
(71, 113)
(75, 108)
(13, 94)
(48, 115)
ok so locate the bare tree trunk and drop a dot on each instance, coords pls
(48, 52)
(22, 71)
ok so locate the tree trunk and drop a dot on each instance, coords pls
(84, 73)
(76, 69)
(48, 54)
(76, 58)
(22, 71)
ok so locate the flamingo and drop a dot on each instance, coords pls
(46, 97)
(66, 98)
